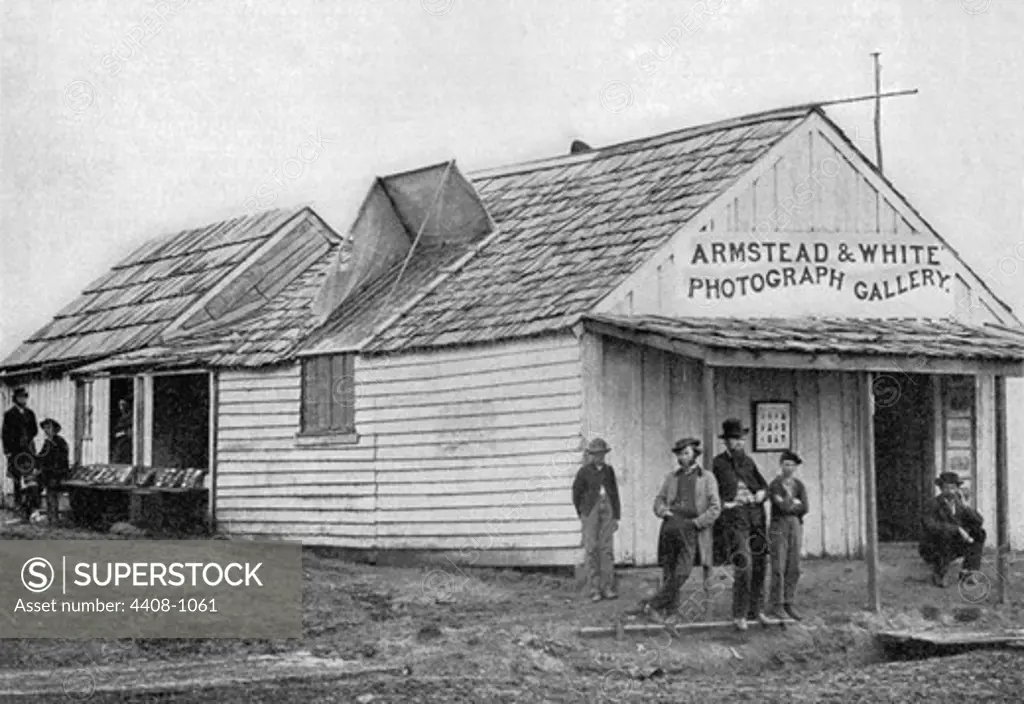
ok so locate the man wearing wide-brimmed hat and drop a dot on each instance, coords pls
(688, 505)
(19, 432)
(740, 534)
(952, 530)
(595, 494)
(53, 467)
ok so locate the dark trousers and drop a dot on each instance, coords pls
(52, 504)
(677, 547)
(598, 544)
(747, 541)
(785, 535)
(15, 477)
(939, 550)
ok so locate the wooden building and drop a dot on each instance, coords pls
(427, 384)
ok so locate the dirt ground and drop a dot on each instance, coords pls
(431, 633)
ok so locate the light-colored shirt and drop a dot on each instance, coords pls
(742, 492)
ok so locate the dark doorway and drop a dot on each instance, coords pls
(903, 452)
(181, 421)
(122, 420)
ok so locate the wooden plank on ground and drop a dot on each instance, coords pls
(651, 628)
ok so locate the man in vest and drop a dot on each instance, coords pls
(688, 505)
(741, 530)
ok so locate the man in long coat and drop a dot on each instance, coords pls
(688, 505)
(741, 532)
(19, 432)
(952, 530)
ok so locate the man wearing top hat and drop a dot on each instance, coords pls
(740, 532)
(688, 505)
(595, 494)
(789, 505)
(952, 530)
(19, 432)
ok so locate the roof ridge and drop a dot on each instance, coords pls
(633, 145)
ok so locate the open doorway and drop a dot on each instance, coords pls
(181, 421)
(122, 420)
(904, 453)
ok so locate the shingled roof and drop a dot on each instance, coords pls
(906, 338)
(571, 229)
(133, 303)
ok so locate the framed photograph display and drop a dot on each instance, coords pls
(959, 433)
(960, 398)
(960, 461)
(773, 426)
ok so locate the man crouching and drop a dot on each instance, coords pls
(952, 530)
(688, 505)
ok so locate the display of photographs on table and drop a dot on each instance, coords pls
(959, 433)
(773, 426)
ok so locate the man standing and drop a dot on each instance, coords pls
(688, 505)
(121, 453)
(743, 492)
(789, 504)
(53, 467)
(595, 494)
(952, 530)
(19, 432)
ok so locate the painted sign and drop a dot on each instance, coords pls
(858, 268)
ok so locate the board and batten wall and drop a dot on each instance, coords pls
(649, 398)
(463, 449)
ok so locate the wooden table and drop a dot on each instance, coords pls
(98, 506)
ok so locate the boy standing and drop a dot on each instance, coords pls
(595, 494)
(789, 504)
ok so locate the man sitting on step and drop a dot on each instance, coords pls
(952, 530)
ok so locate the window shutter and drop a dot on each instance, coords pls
(316, 389)
(342, 392)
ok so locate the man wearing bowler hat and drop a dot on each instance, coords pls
(19, 432)
(952, 530)
(688, 505)
(789, 505)
(595, 494)
(740, 533)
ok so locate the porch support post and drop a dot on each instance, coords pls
(870, 500)
(211, 476)
(1002, 493)
(708, 382)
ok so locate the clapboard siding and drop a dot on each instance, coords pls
(452, 444)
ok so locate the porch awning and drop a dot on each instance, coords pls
(844, 344)
(153, 358)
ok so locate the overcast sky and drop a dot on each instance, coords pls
(209, 101)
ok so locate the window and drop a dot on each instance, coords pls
(328, 395)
